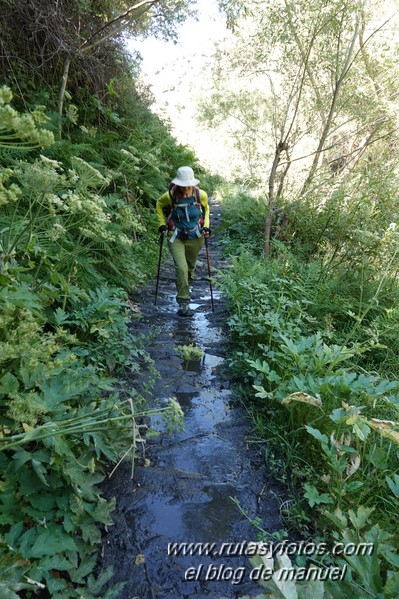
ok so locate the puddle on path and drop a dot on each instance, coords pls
(186, 493)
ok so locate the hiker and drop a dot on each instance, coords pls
(183, 214)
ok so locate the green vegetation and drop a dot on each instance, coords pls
(75, 239)
(82, 159)
(190, 352)
(315, 360)
(312, 231)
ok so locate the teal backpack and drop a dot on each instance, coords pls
(186, 218)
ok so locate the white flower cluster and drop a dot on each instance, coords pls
(57, 231)
(10, 194)
(40, 177)
(72, 202)
(125, 240)
(91, 131)
(57, 166)
(92, 210)
(88, 176)
(8, 118)
(15, 128)
(72, 113)
(5, 95)
(133, 159)
(55, 200)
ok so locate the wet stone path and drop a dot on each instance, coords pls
(183, 492)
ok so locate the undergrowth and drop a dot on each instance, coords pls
(77, 235)
(315, 358)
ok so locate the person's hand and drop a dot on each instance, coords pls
(206, 231)
(162, 229)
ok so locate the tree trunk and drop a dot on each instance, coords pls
(117, 26)
(61, 97)
(271, 202)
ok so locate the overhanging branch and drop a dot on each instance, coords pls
(113, 21)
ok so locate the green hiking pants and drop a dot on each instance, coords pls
(185, 254)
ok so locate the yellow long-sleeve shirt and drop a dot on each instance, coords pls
(164, 201)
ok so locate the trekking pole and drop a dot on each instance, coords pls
(159, 265)
(209, 271)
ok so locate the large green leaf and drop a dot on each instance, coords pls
(51, 541)
(83, 481)
(393, 484)
(9, 384)
(84, 569)
(391, 589)
(55, 562)
(100, 511)
(7, 593)
(40, 471)
(360, 518)
(317, 434)
(314, 497)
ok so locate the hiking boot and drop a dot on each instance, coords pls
(184, 309)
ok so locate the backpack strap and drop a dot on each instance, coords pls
(197, 195)
(171, 196)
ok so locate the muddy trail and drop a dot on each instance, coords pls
(183, 492)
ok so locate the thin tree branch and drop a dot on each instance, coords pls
(115, 20)
(334, 100)
(86, 47)
(61, 96)
(334, 145)
(114, 31)
(309, 72)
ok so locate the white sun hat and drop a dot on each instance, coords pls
(185, 177)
